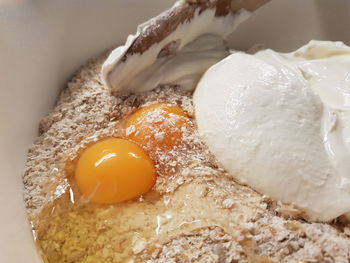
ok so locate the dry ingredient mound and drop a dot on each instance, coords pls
(196, 214)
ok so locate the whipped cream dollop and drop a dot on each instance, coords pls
(281, 124)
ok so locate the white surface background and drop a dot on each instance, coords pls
(42, 43)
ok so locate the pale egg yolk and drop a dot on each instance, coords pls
(114, 170)
(158, 126)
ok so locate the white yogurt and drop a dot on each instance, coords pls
(281, 124)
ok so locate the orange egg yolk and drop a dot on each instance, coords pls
(158, 126)
(114, 170)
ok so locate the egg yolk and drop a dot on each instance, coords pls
(158, 126)
(114, 170)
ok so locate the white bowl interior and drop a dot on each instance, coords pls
(44, 42)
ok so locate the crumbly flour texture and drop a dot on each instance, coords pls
(195, 213)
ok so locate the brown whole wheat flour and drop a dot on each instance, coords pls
(195, 213)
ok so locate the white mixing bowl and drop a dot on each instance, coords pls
(43, 42)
